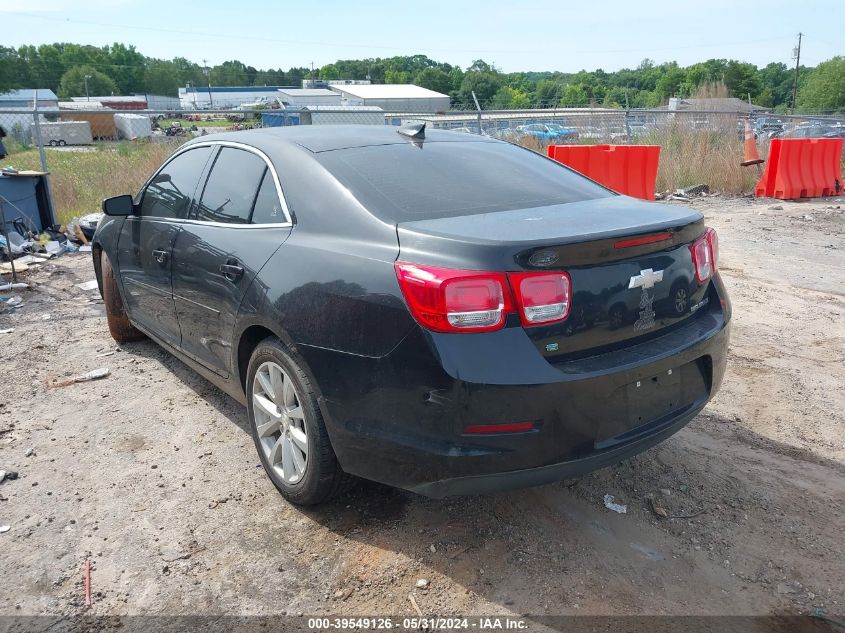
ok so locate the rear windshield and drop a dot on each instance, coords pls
(406, 182)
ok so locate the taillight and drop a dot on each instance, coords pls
(445, 300)
(705, 250)
(541, 297)
(713, 238)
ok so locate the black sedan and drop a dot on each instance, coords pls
(447, 313)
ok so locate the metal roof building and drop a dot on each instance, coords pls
(25, 98)
(394, 97)
(203, 97)
(308, 96)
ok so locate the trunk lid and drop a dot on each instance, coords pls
(621, 289)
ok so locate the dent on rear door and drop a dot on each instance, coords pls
(144, 259)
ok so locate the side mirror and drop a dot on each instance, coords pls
(118, 205)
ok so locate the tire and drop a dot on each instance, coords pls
(302, 477)
(120, 327)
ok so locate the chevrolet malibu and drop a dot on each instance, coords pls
(443, 312)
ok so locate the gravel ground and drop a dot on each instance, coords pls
(152, 475)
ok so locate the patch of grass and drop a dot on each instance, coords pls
(165, 123)
(81, 179)
(691, 157)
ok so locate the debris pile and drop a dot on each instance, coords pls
(22, 246)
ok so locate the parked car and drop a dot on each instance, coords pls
(466, 130)
(550, 132)
(613, 134)
(429, 310)
(767, 126)
(817, 129)
(511, 135)
(563, 132)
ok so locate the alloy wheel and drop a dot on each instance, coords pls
(280, 422)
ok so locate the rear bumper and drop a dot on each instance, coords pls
(400, 419)
(482, 484)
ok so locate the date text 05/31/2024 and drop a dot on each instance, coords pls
(430, 623)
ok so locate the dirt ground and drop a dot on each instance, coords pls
(152, 475)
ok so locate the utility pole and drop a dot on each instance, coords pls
(797, 65)
(208, 79)
(478, 108)
(87, 77)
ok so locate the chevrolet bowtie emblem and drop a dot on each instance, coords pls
(646, 279)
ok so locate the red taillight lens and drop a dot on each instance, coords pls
(542, 297)
(705, 250)
(714, 246)
(445, 300)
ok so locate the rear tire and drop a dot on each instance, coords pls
(120, 327)
(285, 419)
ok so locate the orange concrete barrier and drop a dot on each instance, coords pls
(628, 169)
(802, 168)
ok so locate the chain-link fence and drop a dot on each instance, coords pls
(92, 153)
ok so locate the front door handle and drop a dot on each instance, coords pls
(232, 270)
(160, 256)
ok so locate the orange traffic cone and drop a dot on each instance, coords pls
(752, 156)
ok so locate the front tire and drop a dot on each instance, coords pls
(120, 327)
(288, 428)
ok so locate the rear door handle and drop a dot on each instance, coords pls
(160, 256)
(232, 270)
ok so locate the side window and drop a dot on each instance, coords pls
(170, 191)
(231, 187)
(268, 207)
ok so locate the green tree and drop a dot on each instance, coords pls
(330, 71)
(507, 98)
(272, 77)
(11, 71)
(483, 84)
(231, 73)
(574, 95)
(161, 78)
(547, 94)
(742, 79)
(126, 67)
(435, 79)
(73, 82)
(824, 89)
(393, 76)
(671, 83)
(777, 79)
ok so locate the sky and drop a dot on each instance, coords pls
(538, 35)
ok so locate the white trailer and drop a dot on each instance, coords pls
(63, 133)
(132, 126)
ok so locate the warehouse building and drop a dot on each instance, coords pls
(308, 97)
(393, 97)
(115, 102)
(27, 98)
(205, 98)
(130, 102)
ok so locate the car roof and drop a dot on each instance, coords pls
(324, 138)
